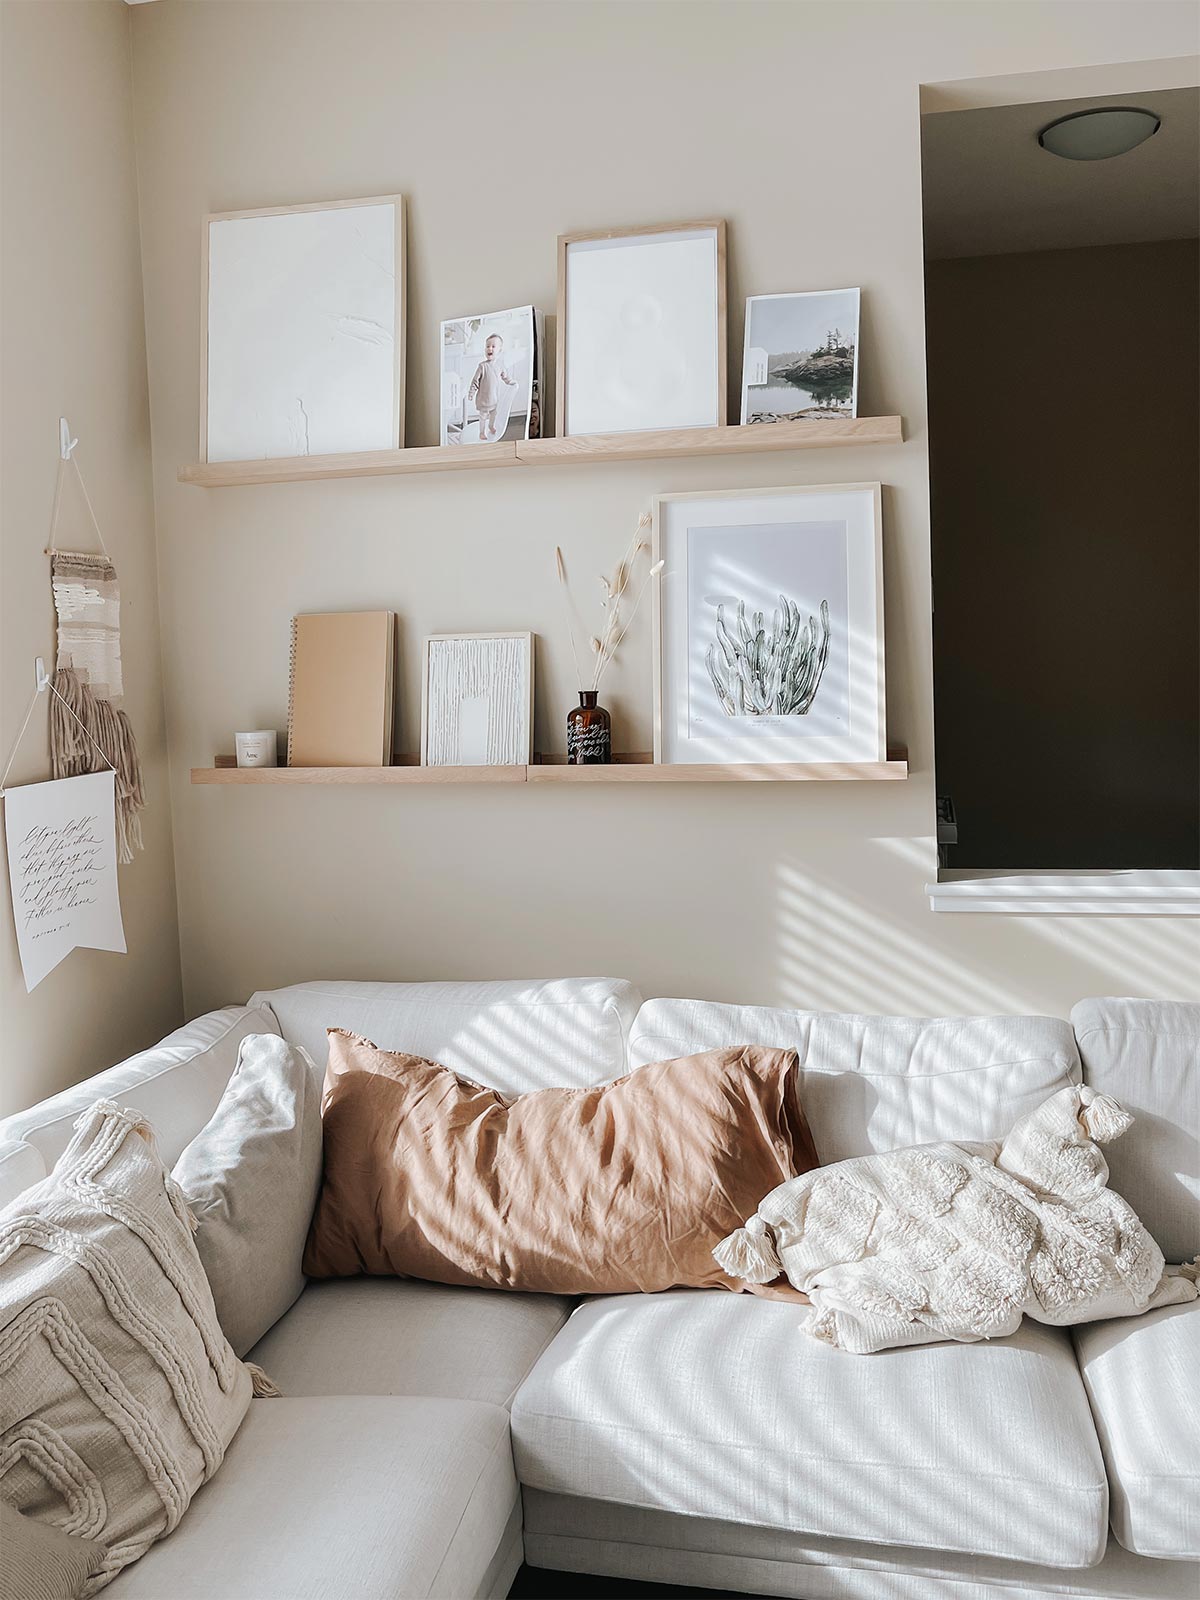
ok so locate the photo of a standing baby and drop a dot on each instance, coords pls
(491, 377)
(487, 386)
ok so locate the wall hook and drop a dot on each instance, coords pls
(65, 442)
(43, 677)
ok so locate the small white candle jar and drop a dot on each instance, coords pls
(257, 749)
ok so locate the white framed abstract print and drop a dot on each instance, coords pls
(641, 329)
(302, 345)
(477, 700)
(768, 632)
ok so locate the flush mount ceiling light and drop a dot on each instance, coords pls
(1100, 134)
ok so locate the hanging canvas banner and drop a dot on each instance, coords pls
(62, 868)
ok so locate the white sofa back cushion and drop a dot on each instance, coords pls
(175, 1086)
(21, 1166)
(878, 1083)
(514, 1036)
(1146, 1054)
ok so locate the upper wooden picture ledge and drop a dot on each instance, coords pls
(831, 433)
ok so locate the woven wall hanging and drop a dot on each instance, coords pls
(85, 716)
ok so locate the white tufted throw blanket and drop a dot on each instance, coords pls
(959, 1241)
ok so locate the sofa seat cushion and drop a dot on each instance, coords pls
(872, 1084)
(514, 1036)
(708, 1406)
(396, 1336)
(1140, 1374)
(323, 1498)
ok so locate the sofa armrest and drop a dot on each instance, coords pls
(176, 1085)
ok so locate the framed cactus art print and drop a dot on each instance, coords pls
(768, 633)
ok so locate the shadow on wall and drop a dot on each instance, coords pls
(831, 938)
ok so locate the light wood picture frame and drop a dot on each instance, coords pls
(303, 329)
(811, 686)
(641, 329)
(477, 699)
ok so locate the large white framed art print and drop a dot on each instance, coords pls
(302, 343)
(641, 329)
(768, 632)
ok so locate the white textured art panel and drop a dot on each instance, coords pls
(477, 708)
(642, 333)
(303, 333)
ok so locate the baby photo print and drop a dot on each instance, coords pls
(491, 377)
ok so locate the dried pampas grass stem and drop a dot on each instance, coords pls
(565, 588)
(616, 624)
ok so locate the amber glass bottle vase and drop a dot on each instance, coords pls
(589, 732)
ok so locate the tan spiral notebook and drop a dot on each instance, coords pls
(340, 699)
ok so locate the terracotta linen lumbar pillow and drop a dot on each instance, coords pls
(617, 1189)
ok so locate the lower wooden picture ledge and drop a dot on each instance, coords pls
(637, 767)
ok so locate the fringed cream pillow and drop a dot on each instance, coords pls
(959, 1241)
(118, 1391)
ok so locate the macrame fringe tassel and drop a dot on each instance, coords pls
(71, 755)
(1104, 1119)
(749, 1253)
(263, 1388)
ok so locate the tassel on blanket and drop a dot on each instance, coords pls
(749, 1253)
(822, 1326)
(1104, 1119)
(261, 1386)
(72, 753)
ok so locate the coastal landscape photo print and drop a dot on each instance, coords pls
(769, 634)
(491, 377)
(801, 360)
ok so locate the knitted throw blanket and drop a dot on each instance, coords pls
(959, 1241)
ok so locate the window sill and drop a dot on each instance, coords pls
(1069, 894)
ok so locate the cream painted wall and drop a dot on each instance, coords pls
(73, 335)
(506, 124)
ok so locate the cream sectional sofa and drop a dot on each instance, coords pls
(432, 1437)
